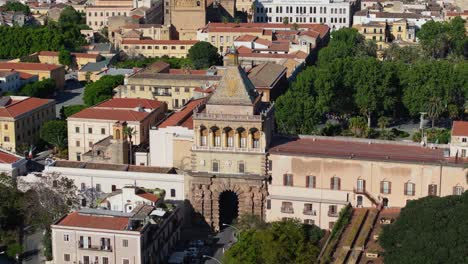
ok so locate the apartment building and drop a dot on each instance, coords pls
(144, 235)
(10, 81)
(334, 13)
(79, 59)
(42, 70)
(366, 16)
(12, 164)
(108, 178)
(21, 119)
(375, 31)
(128, 198)
(314, 177)
(459, 139)
(139, 31)
(269, 36)
(95, 123)
(173, 86)
(156, 48)
(148, 11)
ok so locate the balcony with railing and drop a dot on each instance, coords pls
(333, 214)
(310, 212)
(232, 149)
(287, 210)
(106, 248)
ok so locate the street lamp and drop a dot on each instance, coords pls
(215, 259)
(237, 229)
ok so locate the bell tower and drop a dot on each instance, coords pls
(118, 130)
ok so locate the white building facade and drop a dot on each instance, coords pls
(335, 14)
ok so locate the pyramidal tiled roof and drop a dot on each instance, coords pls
(235, 88)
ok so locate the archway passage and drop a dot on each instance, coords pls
(228, 208)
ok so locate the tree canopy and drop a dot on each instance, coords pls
(70, 110)
(278, 242)
(349, 81)
(41, 89)
(55, 132)
(439, 39)
(204, 55)
(101, 90)
(17, 7)
(428, 230)
(65, 57)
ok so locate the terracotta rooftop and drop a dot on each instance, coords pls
(183, 71)
(148, 196)
(76, 54)
(183, 116)
(26, 66)
(96, 222)
(159, 42)
(360, 150)
(7, 158)
(15, 108)
(111, 114)
(25, 76)
(129, 103)
(239, 27)
(460, 128)
(246, 38)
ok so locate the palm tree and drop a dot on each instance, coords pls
(435, 108)
(383, 122)
(129, 132)
(357, 125)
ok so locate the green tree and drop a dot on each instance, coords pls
(101, 90)
(357, 125)
(17, 7)
(285, 20)
(69, 16)
(434, 109)
(65, 58)
(429, 230)
(279, 242)
(71, 110)
(41, 89)
(54, 132)
(438, 39)
(204, 55)
(383, 122)
(129, 132)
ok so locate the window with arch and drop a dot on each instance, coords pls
(458, 190)
(256, 139)
(385, 187)
(361, 185)
(215, 166)
(203, 136)
(335, 183)
(410, 189)
(310, 181)
(216, 137)
(242, 138)
(229, 137)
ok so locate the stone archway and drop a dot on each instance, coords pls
(228, 207)
(205, 193)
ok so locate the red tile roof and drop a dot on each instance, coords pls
(25, 76)
(263, 42)
(149, 196)
(26, 66)
(96, 222)
(111, 114)
(159, 42)
(340, 148)
(247, 38)
(239, 27)
(76, 54)
(7, 158)
(129, 103)
(17, 108)
(183, 117)
(460, 128)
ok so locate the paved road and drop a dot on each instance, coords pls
(226, 239)
(71, 95)
(33, 248)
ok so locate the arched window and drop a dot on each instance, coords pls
(203, 136)
(229, 137)
(216, 136)
(410, 189)
(255, 138)
(242, 137)
(198, 3)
